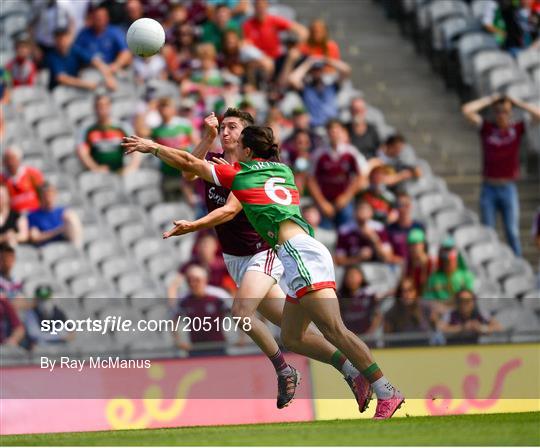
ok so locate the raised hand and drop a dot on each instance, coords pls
(211, 125)
(137, 144)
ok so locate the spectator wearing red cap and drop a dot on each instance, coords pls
(22, 181)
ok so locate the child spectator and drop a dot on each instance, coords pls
(22, 68)
(399, 231)
(419, 264)
(313, 217)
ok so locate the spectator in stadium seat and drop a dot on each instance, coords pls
(419, 264)
(318, 43)
(99, 149)
(22, 181)
(336, 176)
(363, 135)
(176, 132)
(45, 307)
(398, 232)
(206, 77)
(240, 9)
(297, 155)
(451, 275)
(105, 41)
(179, 52)
(312, 215)
(300, 122)
(522, 26)
(382, 200)
(201, 302)
(220, 22)
(319, 91)
(493, 21)
(289, 60)
(501, 140)
(464, 323)
(363, 240)
(22, 67)
(10, 288)
(358, 303)
(401, 159)
(206, 253)
(13, 225)
(11, 327)
(66, 59)
(409, 313)
(53, 223)
(262, 30)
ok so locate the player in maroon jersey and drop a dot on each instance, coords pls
(254, 266)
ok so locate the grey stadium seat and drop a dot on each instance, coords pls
(149, 197)
(80, 109)
(426, 185)
(38, 112)
(506, 267)
(163, 214)
(526, 91)
(116, 266)
(90, 182)
(83, 284)
(468, 236)
(517, 318)
(468, 46)
(503, 77)
(449, 221)
(49, 128)
(103, 249)
(94, 232)
(518, 286)
(160, 266)
(485, 252)
(132, 282)
(103, 199)
(53, 252)
(141, 180)
(432, 204)
(28, 94)
(117, 215)
(132, 232)
(63, 95)
(67, 269)
(528, 59)
(531, 301)
(486, 61)
(24, 269)
(145, 248)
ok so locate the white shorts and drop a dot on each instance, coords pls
(308, 266)
(266, 262)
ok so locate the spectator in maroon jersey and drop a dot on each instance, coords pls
(363, 135)
(380, 197)
(409, 313)
(501, 140)
(419, 265)
(336, 176)
(465, 323)
(262, 30)
(300, 122)
(11, 328)
(359, 304)
(22, 68)
(363, 239)
(200, 303)
(401, 160)
(398, 231)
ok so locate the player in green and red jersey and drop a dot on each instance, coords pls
(268, 194)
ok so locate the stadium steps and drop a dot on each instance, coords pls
(395, 79)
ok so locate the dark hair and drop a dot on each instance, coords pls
(245, 117)
(101, 96)
(5, 247)
(332, 122)
(260, 139)
(345, 292)
(501, 101)
(395, 138)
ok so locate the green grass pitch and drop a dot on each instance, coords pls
(489, 429)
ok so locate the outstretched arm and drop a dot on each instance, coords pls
(218, 216)
(533, 109)
(176, 158)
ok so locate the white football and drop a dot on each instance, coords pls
(145, 37)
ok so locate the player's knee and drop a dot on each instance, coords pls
(242, 311)
(291, 341)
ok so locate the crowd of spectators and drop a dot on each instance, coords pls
(352, 177)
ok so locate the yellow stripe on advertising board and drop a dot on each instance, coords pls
(442, 381)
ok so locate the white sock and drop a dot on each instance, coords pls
(383, 389)
(349, 370)
(285, 372)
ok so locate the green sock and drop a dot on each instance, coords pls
(372, 373)
(337, 360)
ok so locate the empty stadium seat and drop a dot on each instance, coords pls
(27, 94)
(483, 253)
(63, 95)
(468, 236)
(449, 221)
(130, 283)
(53, 252)
(149, 197)
(70, 267)
(101, 250)
(517, 318)
(467, 47)
(50, 128)
(529, 59)
(103, 199)
(162, 215)
(142, 179)
(132, 232)
(80, 109)
(160, 266)
(91, 182)
(117, 215)
(519, 285)
(84, 284)
(113, 267)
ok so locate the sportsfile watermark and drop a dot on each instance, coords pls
(113, 324)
